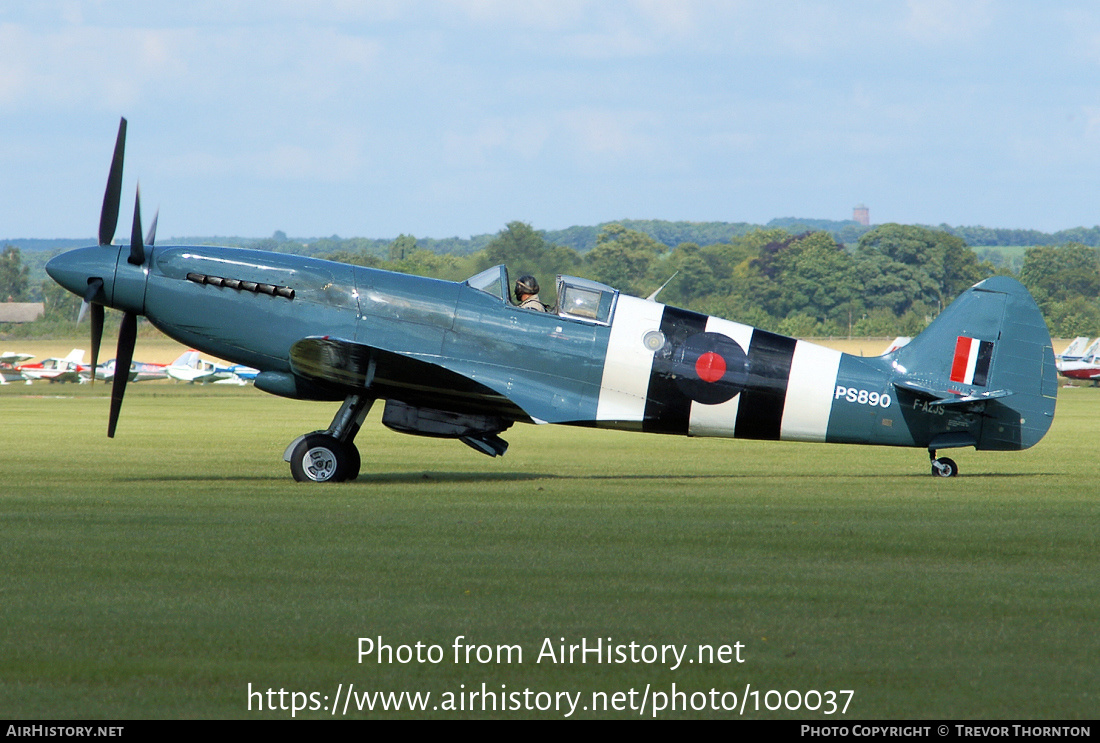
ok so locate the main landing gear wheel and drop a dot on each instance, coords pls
(330, 455)
(354, 462)
(319, 457)
(944, 467)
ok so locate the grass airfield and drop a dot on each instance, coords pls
(159, 574)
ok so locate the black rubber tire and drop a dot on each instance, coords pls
(354, 461)
(319, 457)
(945, 467)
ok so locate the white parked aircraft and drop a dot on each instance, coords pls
(190, 368)
(69, 369)
(8, 367)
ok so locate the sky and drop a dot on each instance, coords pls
(364, 118)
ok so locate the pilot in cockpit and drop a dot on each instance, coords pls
(527, 294)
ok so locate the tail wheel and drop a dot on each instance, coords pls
(944, 467)
(319, 457)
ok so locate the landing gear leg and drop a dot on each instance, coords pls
(943, 467)
(330, 455)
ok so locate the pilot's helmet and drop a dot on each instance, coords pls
(526, 285)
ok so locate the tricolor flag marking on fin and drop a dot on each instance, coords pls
(972, 360)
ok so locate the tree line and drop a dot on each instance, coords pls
(892, 281)
(583, 238)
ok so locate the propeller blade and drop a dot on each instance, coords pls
(151, 237)
(137, 249)
(127, 338)
(94, 287)
(108, 217)
(97, 335)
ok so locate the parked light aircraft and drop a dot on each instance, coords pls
(9, 363)
(243, 374)
(69, 369)
(140, 371)
(190, 368)
(459, 360)
(1075, 351)
(1084, 367)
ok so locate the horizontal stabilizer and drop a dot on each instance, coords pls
(948, 398)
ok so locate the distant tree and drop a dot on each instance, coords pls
(525, 251)
(1062, 272)
(279, 242)
(770, 258)
(737, 308)
(889, 284)
(1065, 281)
(357, 258)
(13, 275)
(724, 257)
(688, 273)
(519, 246)
(933, 265)
(426, 263)
(622, 258)
(402, 246)
(800, 325)
(817, 279)
(60, 303)
(1072, 317)
(877, 322)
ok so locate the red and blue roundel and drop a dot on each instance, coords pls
(710, 368)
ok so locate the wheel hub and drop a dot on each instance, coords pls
(319, 464)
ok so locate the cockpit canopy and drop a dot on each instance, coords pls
(578, 299)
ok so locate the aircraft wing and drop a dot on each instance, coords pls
(948, 398)
(413, 379)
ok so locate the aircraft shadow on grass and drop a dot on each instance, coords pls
(429, 478)
(460, 360)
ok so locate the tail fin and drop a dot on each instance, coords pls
(1074, 350)
(1092, 350)
(189, 360)
(989, 352)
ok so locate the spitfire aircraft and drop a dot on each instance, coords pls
(460, 360)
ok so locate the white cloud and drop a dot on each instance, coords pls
(947, 21)
(87, 68)
(543, 15)
(521, 138)
(603, 133)
(503, 101)
(327, 155)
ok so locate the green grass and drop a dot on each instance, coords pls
(158, 574)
